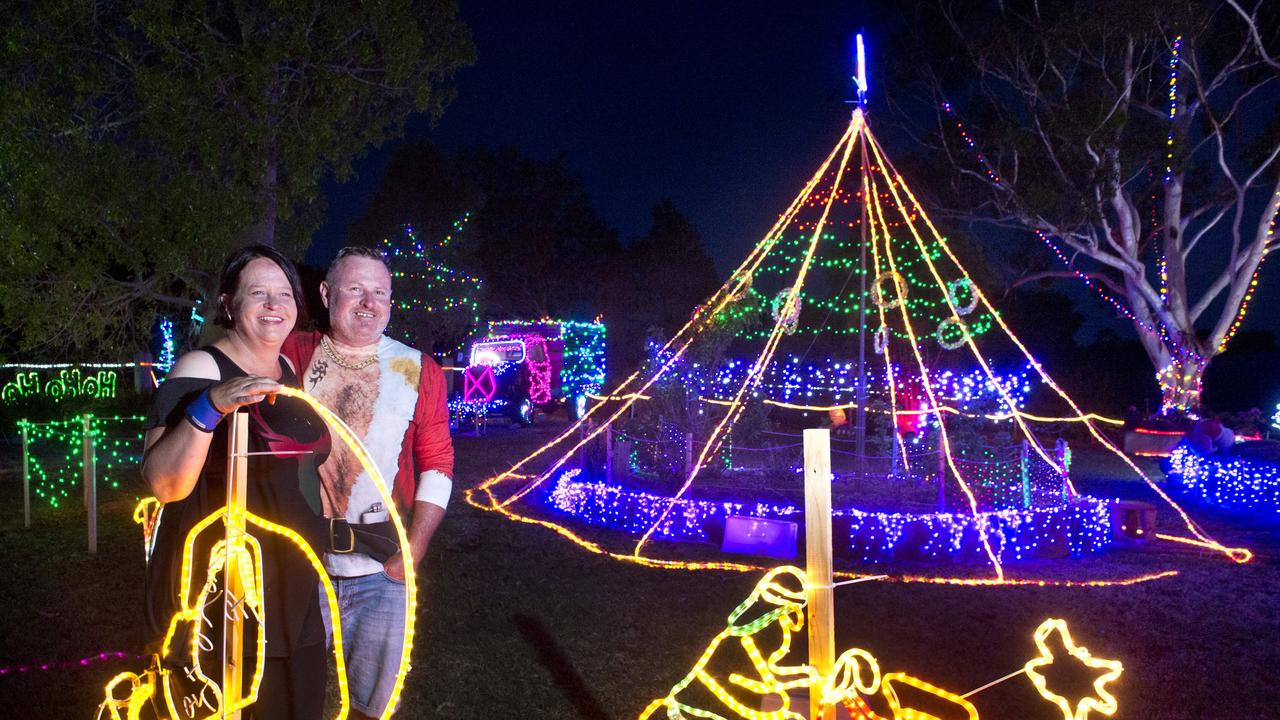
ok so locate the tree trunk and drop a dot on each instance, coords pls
(1180, 383)
(263, 230)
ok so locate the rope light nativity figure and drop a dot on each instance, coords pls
(196, 677)
(855, 224)
(744, 682)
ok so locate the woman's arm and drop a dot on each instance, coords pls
(173, 456)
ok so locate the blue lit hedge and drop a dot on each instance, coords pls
(1237, 483)
(1074, 529)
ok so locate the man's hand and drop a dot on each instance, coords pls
(426, 518)
(394, 567)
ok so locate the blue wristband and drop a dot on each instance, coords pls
(203, 414)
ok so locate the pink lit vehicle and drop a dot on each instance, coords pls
(519, 368)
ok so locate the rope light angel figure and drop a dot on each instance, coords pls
(200, 670)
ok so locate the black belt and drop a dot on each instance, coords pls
(377, 540)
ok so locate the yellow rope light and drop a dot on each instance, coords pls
(1237, 554)
(892, 183)
(774, 612)
(1245, 556)
(700, 321)
(141, 689)
(775, 336)
(606, 398)
(1104, 702)
(890, 694)
(881, 306)
(483, 496)
(247, 548)
(344, 433)
(979, 520)
(781, 608)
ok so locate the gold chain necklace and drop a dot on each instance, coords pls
(329, 351)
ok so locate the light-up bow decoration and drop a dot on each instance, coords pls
(479, 384)
(140, 689)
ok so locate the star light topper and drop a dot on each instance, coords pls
(1104, 703)
(860, 79)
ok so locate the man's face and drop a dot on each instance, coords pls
(359, 301)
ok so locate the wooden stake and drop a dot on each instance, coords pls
(233, 595)
(26, 479)
(688, 453)
(942, 476)
(896, 456)
(1064, 461)
(608, 453)
(1024, 473)
(817, 524)
(88, 462)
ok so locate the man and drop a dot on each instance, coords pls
(393, 397)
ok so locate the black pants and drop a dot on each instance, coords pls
(292, 687)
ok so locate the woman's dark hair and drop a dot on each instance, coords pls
(229, 280)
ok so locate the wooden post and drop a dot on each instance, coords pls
(688, 453)
(817, 524)
(233, 590)
(1064, 461)
(942, 476)
(1024, 473)
(88, 463)
(608, 453)
(26, 477)
(726, 449)
(895, 456)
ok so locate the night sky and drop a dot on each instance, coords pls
(726, 108)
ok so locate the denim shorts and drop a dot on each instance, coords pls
(372, 612)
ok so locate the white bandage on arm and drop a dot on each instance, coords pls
(434, 487)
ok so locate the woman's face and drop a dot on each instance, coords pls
(263, 308)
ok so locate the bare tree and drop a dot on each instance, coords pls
(1139, 136)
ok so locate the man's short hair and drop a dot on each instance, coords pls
(354, 251)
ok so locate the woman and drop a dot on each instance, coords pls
(185, 466)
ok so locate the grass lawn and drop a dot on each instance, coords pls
(518, 623)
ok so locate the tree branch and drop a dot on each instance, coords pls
(1051, 274)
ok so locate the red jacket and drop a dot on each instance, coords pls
(426, 444)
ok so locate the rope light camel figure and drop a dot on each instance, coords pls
(231, 584)
(922, 305)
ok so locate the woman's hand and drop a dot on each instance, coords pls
(235, 393)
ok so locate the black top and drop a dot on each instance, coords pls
(283, 487)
